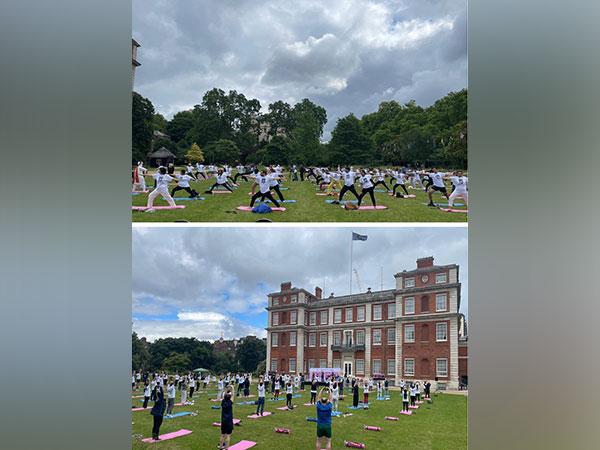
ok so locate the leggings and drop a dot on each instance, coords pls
(170, 404)
(262, 197)
(261, 406)
(366, 398)
(412, 400)
(276, 189)
(191, 392)
(351, 189)
(186, 189)
(225, 185)
(402, 186)
(146, 402)
(365, 192)
(404, 406)
(313, 397)
(288, 401)
(156, 426)
(242, 175)
(381, 182)
(201, 173)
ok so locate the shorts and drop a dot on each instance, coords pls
(324, 431)
(439, 189)
(227, 428)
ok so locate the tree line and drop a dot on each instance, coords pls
(186, 354)
(228, 127)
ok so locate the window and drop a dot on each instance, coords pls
(324, 317)
(312, 340)
(391, 366)
(441, 367)
(337, 315)
(292, 338)
(275, 319)
(376, 366)
(275, 301)
(292, 363)
(322, 363)
(441, 331)
(409, 367)
(360, 366)
(311, 363)
(348, 314)
(409, 282)
(424, 303)
(360, 314)
(424, 332)
(391, 336)
(360, 337)
(337, 363)
(440, 302)
(274, 365)
(409, 305)
(313, 318)
(409, 333)
(377, 312)
(274, 340)
(440, 277)
(391, 310)
(293, 317)
(425, 367)
(294, 299)
(337, 338)
(323, 339)
(376, 337)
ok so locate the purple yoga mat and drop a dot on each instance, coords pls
(256, 416)
(143, 208)
(242, 445)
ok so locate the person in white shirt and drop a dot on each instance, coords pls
(141, 174)
(366, 395)
(200, 171)
(183, 388)
(221, 387)
(437, 179)
(162, 181)
(335, 393)
(260, 406)
(399, 177)
(289, 391)
(192, 384)
(170, 398)
(183, 184)
(263, 181)
(277, 388)
(367, 187)
(220, 180)
(147, 393)
(276, 175)
(241, 172)
(190, 171)
(380, 179)
(460, 188)
(349, 177)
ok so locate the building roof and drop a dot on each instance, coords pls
(134, 42)
(424, 269)
(355, 298)
(161, 153)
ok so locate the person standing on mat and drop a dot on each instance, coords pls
(260, 405)
(226, 418)
(324, 409)
(355, 393)
(200, 171)
(289, 391)
(170, 398)
(184, 185)
(274, 184)
(263, 181)
(241, 173)
(313, 391)
(192, 384)
(147, 393)
(437, 178)
(162, 180)
(366, 394)
(247, 386)
(157, 412)
(335, 395)
(367, 187)
(220, 180)
(460, 188)
(405, 399)
(380, 179)
(399, 177)
(183, 388)
(349, 178)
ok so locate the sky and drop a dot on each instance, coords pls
(345, 55)
(204, 282)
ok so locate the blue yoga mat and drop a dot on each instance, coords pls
(246, 403)
(383, 398)
(179, 414)
(178, 199)
(380, 190)
(311, 419)
(445, 204)
(336, 413)
(343, 202)
(215, 407)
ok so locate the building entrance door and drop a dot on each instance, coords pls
(347, 369)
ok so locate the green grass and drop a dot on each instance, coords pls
(441, 425)
(309, 207)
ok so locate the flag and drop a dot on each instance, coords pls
(358, 237)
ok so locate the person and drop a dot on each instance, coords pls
(313, 391)
(355, 393)
(367, 187)
(170, 398)
(260, 405)
(192, 386)
(405, 399)
(189, 169)
(141, 172)
(460, 188)
(366, 394)
(379, 390)
(263, 181)
(418, 391)
(200, 171)
(380, 179)
(294, 172)
(277, 388)
(335, 395)
(324, 409)
(240, 380)
(147, 393)
(289, 390)
(241, 173)
(183, 388)
(220, 387)
(413, 394)
(183, 184)
(399, 178)
(161, 180)
(157, 412)
(226, 418)
(386, 385)
(437, 178)
(274, 183)
(133, 387)
(247, 386)
(349, 178)
(220, 180)
(427, 387)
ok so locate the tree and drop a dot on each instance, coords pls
(349, 143)
(275, 152)
(250, 352)
(261, 368)
(140, 355)
(141, 127)
(223, 151)
(194, 154)
(176, 362)
(159, 123)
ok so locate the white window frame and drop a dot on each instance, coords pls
(437, 367)
(380, 309)
(274, 339)
(439, 296)
(293, 343)
(438, 326)
(338, 341)
(294, 299)
(364, 313)
(409, 282)
(360, 370)
(294, 315)
(373, 367)
(321, 339)
(290, 361)
(275, 301)
(373, 334)
(393, 340)
(322, 363)
(391, 370)
(275, 319)
(408, 329)
(391, 310)
(335, 315)
(313, 318)
(274, 369)
(406, 372)
(406, 301)
(357, 340)
(337, 363)
(439, 275)
(311, 363)
(312, 339)
(350, 316)
(324, 313)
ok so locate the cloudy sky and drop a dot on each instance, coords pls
(346, 55)
(201, 282)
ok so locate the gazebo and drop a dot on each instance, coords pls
(160, 157)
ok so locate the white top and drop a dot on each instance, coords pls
(349, 178)
(147, 391)
(366, 388)
(261, 390)
(264, 183)
(335, 392)
(189, 168)
(366, 182)
(438, 179)
(222, 179)
(289, 389)
(162, 181)
(200, 167)
(399, 176)
(171, 391)
(277, 385)
(184, 182)
(460, 183)
(221, 385)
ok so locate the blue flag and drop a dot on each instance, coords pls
(358, 237)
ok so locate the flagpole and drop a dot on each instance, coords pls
(351, 247)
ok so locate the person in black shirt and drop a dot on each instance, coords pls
(354, 393)
(226, 418)
(158, 412)
(247, 386)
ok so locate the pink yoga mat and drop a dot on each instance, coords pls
(143, 208)
(455, 210)
(309, 404)
(242, 445)
(283, 408)
(371, 207)
(413, 407)
(406, 413)
(335, 194)
(139, 192)
(173, 435)
(218, 424)
(140, 409)
(215, 400)
(249, 209)
(391, 418)
(256, 416)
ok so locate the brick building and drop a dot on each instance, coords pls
(412, 332)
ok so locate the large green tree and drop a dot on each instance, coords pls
(223, 151)
(250, 353)
(142, 127)
(349, 142)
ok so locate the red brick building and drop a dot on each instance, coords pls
(413, 332)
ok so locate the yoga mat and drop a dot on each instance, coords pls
(180, 414)
(256, 416)
(242, 445)
(444, 204)
(283, 408)
(335, 194)
(455, 210)
(370, 208)
(221, 192)
(309, 404)
(173, 435)
(380, 190)
(215, 407)
(406, 413)
(336, 413)
(311, 419)
(249, 209)
(343, 202)
(218, 424)
(371, 428)
(413, 407)
(247, 403)
(282, 201)
(383, 398)
(183, 199)
(355, 407)
(143, 208)
(215, 400)
(141, 409)
(139, 192)
(391, 418)
(405, 196)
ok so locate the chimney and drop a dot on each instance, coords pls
(318, 292)
(331, 295)
(425, 262)
(287, 286)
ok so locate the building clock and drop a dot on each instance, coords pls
(424, 278)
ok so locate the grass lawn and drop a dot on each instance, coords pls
(309, 207)
(441, 425)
